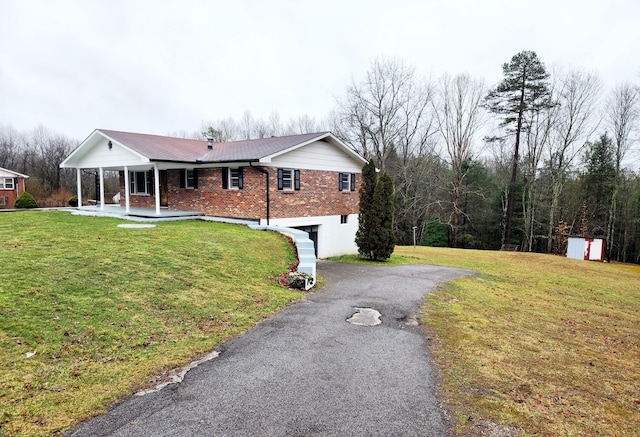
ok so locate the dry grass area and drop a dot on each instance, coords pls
(542, 343)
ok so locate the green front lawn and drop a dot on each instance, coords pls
(90, 312)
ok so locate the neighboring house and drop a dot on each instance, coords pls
(11, 186)
(309, 182)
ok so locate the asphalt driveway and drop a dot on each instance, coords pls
(307, 371)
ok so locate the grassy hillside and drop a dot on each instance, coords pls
(543, 343)
(90, 312)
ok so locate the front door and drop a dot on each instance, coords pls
(164, 190)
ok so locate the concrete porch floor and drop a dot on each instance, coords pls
(137, 214)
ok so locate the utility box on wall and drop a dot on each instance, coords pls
(590, 249)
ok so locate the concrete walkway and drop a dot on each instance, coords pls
(308, 371)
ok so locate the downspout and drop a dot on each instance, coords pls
(266, 173)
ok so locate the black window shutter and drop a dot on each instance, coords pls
(240, 178)
(353, 182)
(279, 179)
(225, 178)
(296, 180)
(339, 181)
(183, 177)
(195, 178)
(150, 182)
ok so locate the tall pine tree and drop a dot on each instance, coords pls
(525, 88)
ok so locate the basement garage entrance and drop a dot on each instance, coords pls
(313, 235)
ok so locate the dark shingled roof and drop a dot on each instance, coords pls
(160, 148)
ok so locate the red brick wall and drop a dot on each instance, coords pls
(318, 195)
(135, 200)
(10, 196)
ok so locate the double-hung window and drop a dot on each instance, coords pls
(346, 181)
(7, 184)
(189, 178)
(140, 182)
(232, 178)
(288, 179)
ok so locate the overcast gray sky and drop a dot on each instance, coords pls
(163, 66)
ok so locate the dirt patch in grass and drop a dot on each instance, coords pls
(90, 312)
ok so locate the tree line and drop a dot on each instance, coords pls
(521, 164)
(38, 154)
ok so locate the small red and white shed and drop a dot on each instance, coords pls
(590, 249)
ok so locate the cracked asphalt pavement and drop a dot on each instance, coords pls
(306, 371)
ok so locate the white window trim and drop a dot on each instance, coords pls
(234, 181)
(290, 179)
(4, 185)
(186, 178)
(346, 182)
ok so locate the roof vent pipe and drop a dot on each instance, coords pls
(210, 143)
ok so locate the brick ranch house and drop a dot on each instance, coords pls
(309, 182)
(11, 186)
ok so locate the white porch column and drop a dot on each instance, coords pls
(79, 183)
(126, 189)
(101, 188)
(156, 189)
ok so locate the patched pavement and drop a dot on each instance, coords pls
(350, 359)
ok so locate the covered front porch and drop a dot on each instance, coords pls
(141, 176)
(137, 214)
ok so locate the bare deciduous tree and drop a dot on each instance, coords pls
(573, 123)
(459, 115)
(622, 118)
(11, 142)
(385, 115)
(539, 122)
(250, 127)
(52, 149)
(304, 124)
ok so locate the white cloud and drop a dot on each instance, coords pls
(164, 66)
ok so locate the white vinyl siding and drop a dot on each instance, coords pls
(102, 156)
(318, 156)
